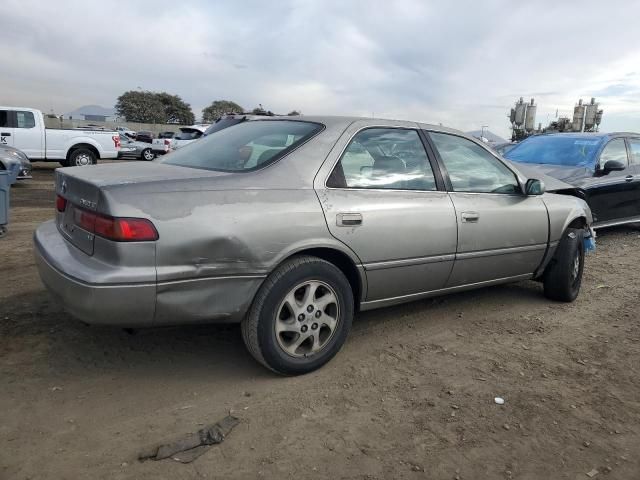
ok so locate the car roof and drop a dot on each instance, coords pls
(345, 121)
(589, 134)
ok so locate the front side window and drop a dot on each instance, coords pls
(471, 168)
(386, 158)
(634, 147)
(245, 146)
(25, 120)
(614, 150)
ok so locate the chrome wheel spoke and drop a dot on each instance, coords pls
(309, 293)
(307, 318)
(284, 326)
(292, 303)
(316, 344)
(297, 342)
(325, 300)
(329, 322)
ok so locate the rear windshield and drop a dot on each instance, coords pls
(556, 150)
(243, 147)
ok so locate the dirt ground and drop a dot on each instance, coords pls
(410, 396)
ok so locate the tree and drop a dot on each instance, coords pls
(139, 106)
(154, 107)
(219, 108)
(259, 110)
(293, 113)
(176, 110)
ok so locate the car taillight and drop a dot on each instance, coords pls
(61, 203)
(114, 228)
(116, 141)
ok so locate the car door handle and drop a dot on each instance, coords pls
(470, 217)
(348, 219)
(629, 178)
(5, 134)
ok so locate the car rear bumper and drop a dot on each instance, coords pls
(83, 286)
(61, 268)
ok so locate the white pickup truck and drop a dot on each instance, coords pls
(186, 136)
(23, 128)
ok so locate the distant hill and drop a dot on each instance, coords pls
(492, 137)
(92, 110)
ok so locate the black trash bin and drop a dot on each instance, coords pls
(4, 201)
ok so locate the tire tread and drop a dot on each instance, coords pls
(249, 325)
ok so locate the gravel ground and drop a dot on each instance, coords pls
(411, 395)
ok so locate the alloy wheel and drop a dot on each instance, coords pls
(307, 318)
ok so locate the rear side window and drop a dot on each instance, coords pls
(471, 168)
(4, 118)
(614, 150)
(384, 158)
(634, 146)
(245, 146)
(25, 120)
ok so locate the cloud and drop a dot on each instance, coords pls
(459, 63)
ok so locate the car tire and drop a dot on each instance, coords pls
(275, 332)
(82, 157)
(563, 276)
(147, 154)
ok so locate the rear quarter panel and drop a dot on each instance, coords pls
(232, 232)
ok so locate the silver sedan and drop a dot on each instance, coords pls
(290, 226)
(15, 162)
(132, 149)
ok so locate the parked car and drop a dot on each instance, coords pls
(605, 166)
(134, 149)
(145, 136)
(166, 134)
(503, 148)
(289, 226)
(127, 131)
(184, 137)
(23, 128)
(15, 162)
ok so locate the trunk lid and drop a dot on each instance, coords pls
(84, 188)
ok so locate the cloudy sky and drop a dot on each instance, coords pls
(460, 63)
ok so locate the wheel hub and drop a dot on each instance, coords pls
(307, 318)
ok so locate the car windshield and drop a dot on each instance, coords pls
(560, 149)
(245, 146)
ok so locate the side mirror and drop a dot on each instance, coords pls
(613, 166)
(534, 187)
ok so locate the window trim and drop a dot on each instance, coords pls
(606, 144)
(440, 185)
(15, 119)
(445, 172)
(629, 152)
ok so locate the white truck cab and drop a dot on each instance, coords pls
(24, 129)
